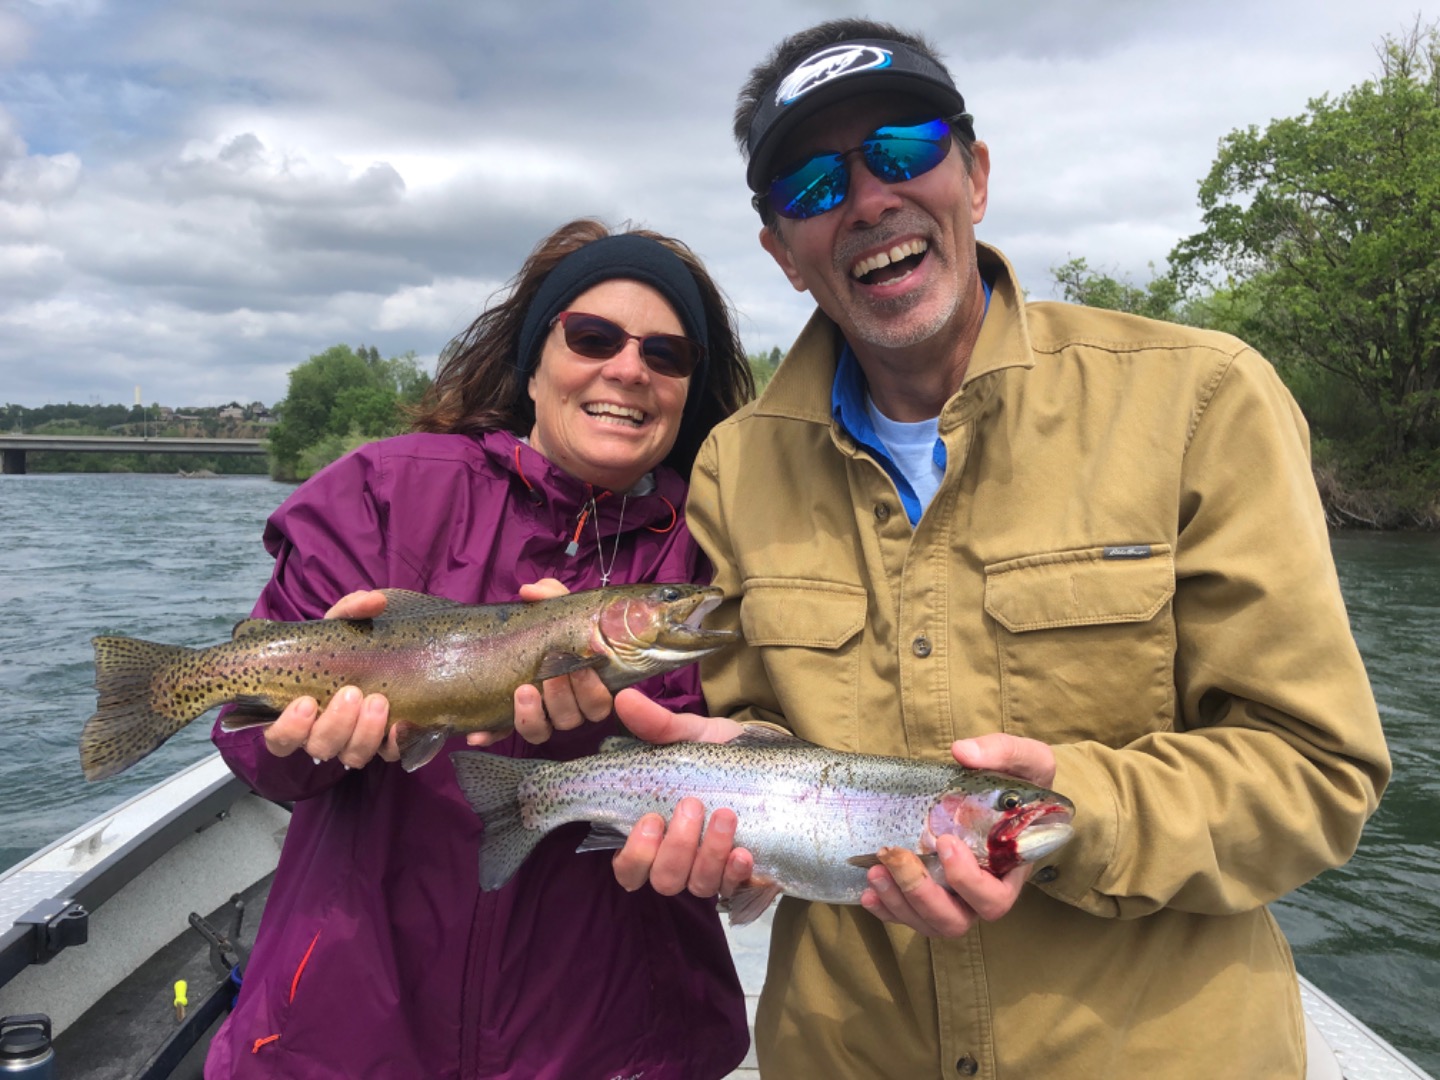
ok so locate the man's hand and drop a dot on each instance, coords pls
(353, 726)
(562, 703)
(687, 855)
(902, 891)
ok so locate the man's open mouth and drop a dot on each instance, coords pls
(888, 266)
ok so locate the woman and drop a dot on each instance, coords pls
(553, 444)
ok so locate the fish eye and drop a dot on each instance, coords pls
(670, 594)
(1010, 800)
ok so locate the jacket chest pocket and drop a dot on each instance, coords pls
(808, 634)
(1086, 643)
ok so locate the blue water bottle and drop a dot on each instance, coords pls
(25, 1049)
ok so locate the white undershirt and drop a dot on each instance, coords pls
(912, 448)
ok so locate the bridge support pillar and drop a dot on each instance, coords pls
(14, 463)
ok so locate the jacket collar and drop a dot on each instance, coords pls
(536, 479)
(801, 388)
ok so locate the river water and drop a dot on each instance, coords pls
(180, 560)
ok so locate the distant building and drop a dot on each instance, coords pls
(231, 412)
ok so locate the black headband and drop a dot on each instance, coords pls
(634, 258)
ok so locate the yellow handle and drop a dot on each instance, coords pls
(180, 999)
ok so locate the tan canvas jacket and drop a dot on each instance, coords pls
(1126, 559)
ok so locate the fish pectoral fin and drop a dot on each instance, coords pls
(887, 856)
(564, 663)
(419, 745)
(751, 899)
(249, 713)
(602, 838)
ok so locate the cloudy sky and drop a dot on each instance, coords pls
(195, 197)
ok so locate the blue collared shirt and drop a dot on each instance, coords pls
(847, 405)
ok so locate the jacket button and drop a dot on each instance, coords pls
(1045, 875)
(921, 647)
(967, 1066)
(882, 512)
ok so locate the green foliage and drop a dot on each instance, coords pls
(340, 399)
(1331, 221)
(763, 365)
(1159, 299)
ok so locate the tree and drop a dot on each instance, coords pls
(1159, 299)
(763, 365)
(1331, 222)
(337, 400)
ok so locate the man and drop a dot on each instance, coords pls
(1069, 544)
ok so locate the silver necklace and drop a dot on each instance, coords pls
(605, 571)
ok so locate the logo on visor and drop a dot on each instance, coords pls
(830, 64)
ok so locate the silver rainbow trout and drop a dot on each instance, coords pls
(445, 667)
(814, 819)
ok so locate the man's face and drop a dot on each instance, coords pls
(925, 226)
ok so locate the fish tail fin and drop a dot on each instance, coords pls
(142, 702)
(491, 783)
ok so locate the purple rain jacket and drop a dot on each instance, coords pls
(377, 953)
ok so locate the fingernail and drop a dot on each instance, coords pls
(347, 767)
(880, 884)
(650, 828)
(315, 759)
(691, 809)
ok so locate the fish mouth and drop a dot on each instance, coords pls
(683, 633)
(1035, 826)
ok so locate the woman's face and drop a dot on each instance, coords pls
(608, 422)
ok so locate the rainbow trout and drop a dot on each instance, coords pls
(445, 667)
(814, 819)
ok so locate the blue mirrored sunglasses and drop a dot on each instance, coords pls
(892, 153)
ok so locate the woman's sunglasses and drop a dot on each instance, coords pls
(598, 338)
(892, 153)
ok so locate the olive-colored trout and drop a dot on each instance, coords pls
(814, 819)
(445, 667)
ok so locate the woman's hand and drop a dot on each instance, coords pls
(562, 703)
(352, 728)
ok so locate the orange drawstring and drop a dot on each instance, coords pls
(294, 983)
(574, 544)
(674, 517)
(303, 961)
(520, 469)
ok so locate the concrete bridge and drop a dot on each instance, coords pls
(14, 447)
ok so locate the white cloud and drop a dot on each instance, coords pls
(197, 197)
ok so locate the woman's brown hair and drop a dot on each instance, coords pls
(480, 386)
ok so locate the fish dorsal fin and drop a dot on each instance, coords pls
(617, 744)
(566, 663)
(756, 734)
(404, 604)
(251, 628)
